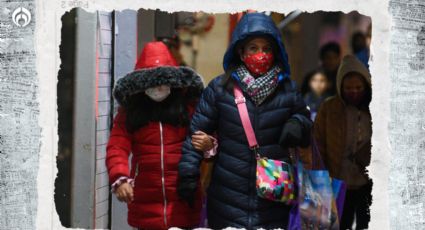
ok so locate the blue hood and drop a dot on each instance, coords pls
(256, 24)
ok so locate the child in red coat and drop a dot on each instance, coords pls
(156, 104)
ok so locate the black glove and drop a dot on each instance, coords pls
(186, 189)
(293, 135)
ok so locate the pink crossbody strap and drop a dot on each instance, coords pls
(243, 113)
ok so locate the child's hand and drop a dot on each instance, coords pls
(124, 193)
(201, 141)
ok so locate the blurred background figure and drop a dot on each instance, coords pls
(315, 90)
(330, 58)
(358, 42)
(360, 48)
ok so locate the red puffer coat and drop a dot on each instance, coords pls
(155, 147)
(156, 150)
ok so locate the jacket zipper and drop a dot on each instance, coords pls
(162, 174)
(252, 192)
(136, 170)
(250, 199)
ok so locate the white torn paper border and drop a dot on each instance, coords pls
(19, 111)
(48, 14)
(407, 121)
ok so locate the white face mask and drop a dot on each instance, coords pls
(158, 93)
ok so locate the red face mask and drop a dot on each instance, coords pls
(258, 63)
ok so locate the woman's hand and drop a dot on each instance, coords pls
(201, 141)
(292, 135)
(124, 193)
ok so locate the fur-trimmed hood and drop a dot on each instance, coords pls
(156, 66)
(142, 79)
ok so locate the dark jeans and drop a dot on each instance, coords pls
(357, 203)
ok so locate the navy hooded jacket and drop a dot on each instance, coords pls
(232, 197)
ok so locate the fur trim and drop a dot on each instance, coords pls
(140, 80)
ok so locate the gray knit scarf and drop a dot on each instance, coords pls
(261, 87)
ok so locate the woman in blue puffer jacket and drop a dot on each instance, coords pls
(256, 60)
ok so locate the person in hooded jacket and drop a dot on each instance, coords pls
(156, 103)
(343, 130)
(255, 60)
